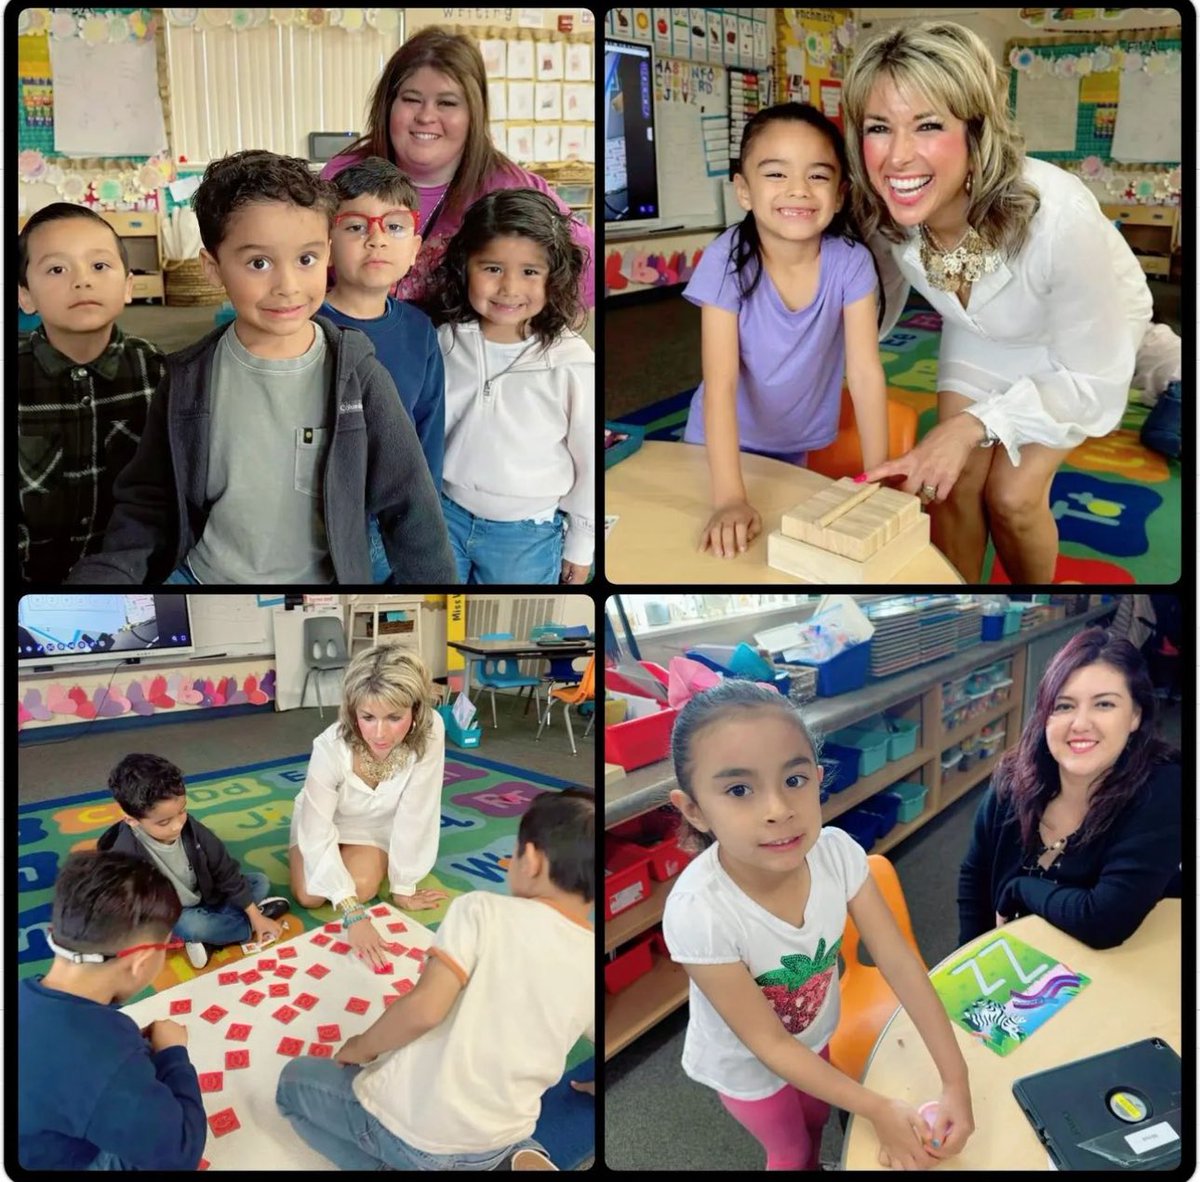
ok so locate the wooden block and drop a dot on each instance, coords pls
(817, 565)
(862, 530)
(613, 771)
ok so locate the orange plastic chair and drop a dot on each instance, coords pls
(843, 457)
(573, 695)
(867, 999)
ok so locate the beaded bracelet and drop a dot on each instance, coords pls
(353, 917)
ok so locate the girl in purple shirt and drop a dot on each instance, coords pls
(788, 304)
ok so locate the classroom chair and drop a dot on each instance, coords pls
(585, 691)
(867, 999)
(493, 673)
(324, 648)
(843, 457)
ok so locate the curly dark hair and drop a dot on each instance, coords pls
(379, 178)
(139, 782)
(525, 213)
(241, 179)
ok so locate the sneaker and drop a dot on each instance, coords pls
(1163, 431)
(274, 907)
(197, 953)
(530, 1159)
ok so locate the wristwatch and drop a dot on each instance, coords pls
(990, 438)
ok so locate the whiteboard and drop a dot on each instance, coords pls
(232, 624)
(106, 99)
(1148, 119)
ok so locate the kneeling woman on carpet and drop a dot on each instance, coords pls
(372, 800)
(1045, 309)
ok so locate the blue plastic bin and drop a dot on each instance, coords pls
(624, 449)
(841, 764)
(455, 733)
(885, 806)
(872, 747)
(843, 673)
(780, 681)
(993, 627)
(863, 827)
(902, 736)
(912, 799)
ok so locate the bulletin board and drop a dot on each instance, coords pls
(812, 48)
(70, 45)
(1107, 106)
(541, 94)
(723, 36)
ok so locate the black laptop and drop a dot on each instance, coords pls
(1117, 1111)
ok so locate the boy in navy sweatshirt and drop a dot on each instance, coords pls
(94, 1091)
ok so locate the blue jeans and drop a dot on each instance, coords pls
(224, 924)
(381, 569)
(317, 1096)
(504, 551)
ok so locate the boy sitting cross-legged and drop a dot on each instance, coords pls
(272, 439)
(375, 240)
(96, 1092)
(456, 1069)
(221, 905)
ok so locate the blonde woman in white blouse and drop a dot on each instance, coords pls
(371, 803)
(1044, 307)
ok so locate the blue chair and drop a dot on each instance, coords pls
(562, 669)
(493, 673)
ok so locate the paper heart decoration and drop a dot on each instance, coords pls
(108, 703)
(137, 699)
(83, 706)
(670, 269)
(627, 262)
(253, 693)
(233, 695)
(190, 695)
(174, 685)
(59, 702)
(204, 689)
(643, 271)
(268, 684)
(33, 704)
(158, 693)
(613, 279)
(686, 270)
(23, 715)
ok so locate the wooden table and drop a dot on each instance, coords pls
(1134, 994)
(661, 495)
(520, 649)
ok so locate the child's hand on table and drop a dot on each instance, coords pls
(902, 1136)
(955, 1122)
(731, 529)
(165, 1033)
(352, 1051)
(262, 927)
(419, 900)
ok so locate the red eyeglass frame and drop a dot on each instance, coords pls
(338, 218)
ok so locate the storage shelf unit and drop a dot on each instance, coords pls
(367, 623)
(665, 988)
(1152, 232)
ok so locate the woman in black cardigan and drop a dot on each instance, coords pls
(1082, 823)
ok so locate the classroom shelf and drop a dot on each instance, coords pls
(636, 920)
(644, 1004)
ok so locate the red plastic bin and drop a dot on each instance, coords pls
(626, 877)
(639, 741)
(667, 859)
(623, 970)
(615, 681)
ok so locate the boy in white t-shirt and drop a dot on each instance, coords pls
(457, 1068)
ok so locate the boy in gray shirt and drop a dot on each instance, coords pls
(270, 440)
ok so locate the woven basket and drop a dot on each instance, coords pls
(186, 286)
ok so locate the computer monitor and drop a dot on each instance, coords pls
(95, 629)
(630, 156)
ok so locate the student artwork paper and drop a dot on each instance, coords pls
(520, 143)
(579, 102)
(547, 101)
(520, 100)
(1047, 111)
(579, 58)
(1148, 126)
(549, 61)
(546, 144)
(520, 59)
(495, 57)
(1000, 990)
(574, 139)
(497, 99)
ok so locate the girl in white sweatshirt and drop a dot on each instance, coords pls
(518, 485)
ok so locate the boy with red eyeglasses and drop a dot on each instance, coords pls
(95, 1092)
(375, 240)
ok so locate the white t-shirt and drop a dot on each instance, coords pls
(401, 815)
(709, 919)
(475, 1081)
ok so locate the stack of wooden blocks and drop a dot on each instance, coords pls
(849, 533)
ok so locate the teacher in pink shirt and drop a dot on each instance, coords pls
(429, 116)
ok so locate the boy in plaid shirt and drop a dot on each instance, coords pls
(83, 387)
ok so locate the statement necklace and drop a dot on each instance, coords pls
(954, 270)
(379, 770)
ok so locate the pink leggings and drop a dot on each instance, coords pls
(788, 1125)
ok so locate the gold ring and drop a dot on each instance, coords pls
(929, 491)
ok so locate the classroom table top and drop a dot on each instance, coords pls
(1134, 993)
(572, 647)
(660, 493)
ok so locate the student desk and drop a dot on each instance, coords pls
(520, 649)
(1134, 994)
(661, 495)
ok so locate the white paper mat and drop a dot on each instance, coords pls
(266, 1139)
